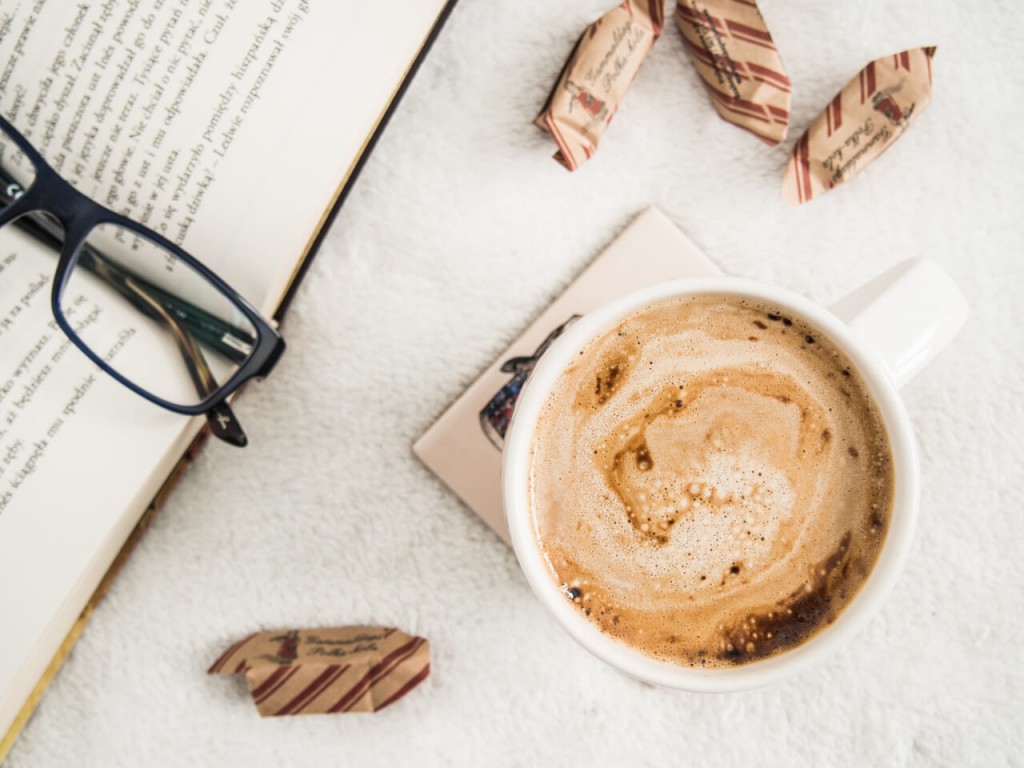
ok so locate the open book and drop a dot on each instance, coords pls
(232, 129)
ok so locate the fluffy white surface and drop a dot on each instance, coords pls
(460, 230)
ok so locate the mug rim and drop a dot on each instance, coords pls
(516, 459)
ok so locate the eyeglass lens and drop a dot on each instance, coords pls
(153, 318)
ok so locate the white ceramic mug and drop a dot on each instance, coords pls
(890, 328)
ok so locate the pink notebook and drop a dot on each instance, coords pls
(463, 447)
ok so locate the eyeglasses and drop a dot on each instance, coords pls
(137, 305)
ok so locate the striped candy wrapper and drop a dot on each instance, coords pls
(859, 124)
(736, 58)
(596, 77)
(316, 671)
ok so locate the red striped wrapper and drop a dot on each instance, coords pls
(736, 58)
(596, 77)
(316, 671)
(863, 120)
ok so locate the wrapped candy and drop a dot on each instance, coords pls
(316, 671)
(736, 58)
(863, 120)
(596, 77)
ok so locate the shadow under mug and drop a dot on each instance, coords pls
(890, 328)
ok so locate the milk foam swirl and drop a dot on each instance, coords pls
(711, 481)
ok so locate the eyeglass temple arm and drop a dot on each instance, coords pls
(207, 328)
(221, 418)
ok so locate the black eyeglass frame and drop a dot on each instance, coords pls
(79, 214)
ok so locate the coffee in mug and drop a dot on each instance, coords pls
(710, 480)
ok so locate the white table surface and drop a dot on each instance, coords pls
(459, 231)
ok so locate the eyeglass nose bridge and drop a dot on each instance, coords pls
(49, 193)
(63, 217)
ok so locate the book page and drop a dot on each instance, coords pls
(208, 119)
(68, 469)
(226, 126)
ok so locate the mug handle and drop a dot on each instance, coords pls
(906, 315)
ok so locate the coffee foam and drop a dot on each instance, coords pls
(710, 481)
